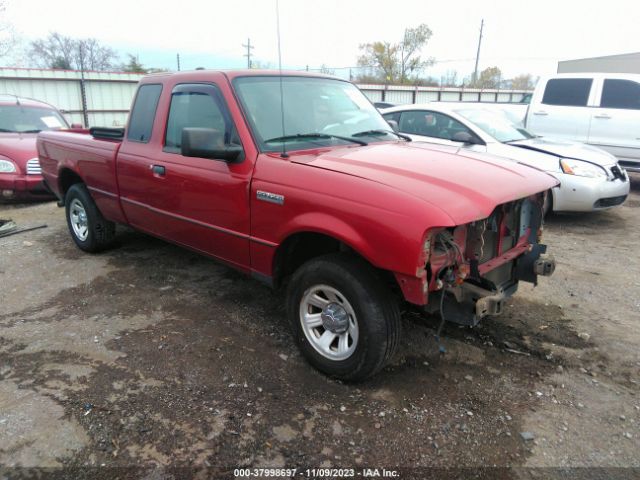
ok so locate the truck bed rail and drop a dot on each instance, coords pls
(107, 133)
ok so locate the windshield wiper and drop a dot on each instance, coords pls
(7, 131)
(29, 131)
(374, 133)
(302, 136)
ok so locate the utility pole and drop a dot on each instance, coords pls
(178, 60)
(475, 70)
(249, 47)
(83, 91)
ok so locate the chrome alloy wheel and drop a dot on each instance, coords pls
(78, 219)
(329, 322)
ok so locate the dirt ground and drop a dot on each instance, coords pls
(148, 359)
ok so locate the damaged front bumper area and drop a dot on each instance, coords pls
(474, 268)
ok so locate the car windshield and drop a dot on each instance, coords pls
(498, 125)
(27, 119)
(317, 112)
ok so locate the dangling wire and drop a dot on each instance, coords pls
(441, 347)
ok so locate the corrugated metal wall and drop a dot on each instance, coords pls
(624, 63)
(407, 94)
(108, 95)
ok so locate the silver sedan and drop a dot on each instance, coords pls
(590, 178)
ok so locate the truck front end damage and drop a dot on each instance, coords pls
(469, 270)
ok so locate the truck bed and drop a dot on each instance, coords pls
(63, 155)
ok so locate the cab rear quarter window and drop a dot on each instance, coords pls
(619, 93)
(570, 92)
(144, 112)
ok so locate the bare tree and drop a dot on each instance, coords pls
(7, 33)
(398, 62)
(59, 51)
(449, 79)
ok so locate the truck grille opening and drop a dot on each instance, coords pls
(491, 237)
(33, 167)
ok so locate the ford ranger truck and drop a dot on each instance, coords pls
(298, 181)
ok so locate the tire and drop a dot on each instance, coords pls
(373, 327)
(90, 231)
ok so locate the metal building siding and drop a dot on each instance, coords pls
(624, 63)
(108, 94)
(65, 95)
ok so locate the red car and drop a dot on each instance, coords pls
(21, 120)
(323, 197)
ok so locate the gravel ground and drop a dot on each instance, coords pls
(151, 361)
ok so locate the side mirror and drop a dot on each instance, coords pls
(207, 143)
(394, 125)
(465, 137)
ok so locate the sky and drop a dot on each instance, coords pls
(519, 36)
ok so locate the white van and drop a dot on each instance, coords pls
(602, 109)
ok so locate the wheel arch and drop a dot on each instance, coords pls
(66, 179)
(301, 246)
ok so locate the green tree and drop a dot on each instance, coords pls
(489, 78)
(60, 63)
(415, 39)
(523, 82)
(134, 65)
(260, 65)
(398, 62)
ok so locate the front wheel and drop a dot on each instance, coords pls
(90, 231)
(344, 319)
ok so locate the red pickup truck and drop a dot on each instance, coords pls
(297, 180)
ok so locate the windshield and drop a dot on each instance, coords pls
(23, 119)
(317, 112)
(498, 125)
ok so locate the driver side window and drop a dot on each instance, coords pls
(197, 106)
(430, 124)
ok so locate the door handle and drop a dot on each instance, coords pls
(602, 115)
(540, 112)
(158, 170)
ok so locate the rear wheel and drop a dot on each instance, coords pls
(345, 321)
(90, 231)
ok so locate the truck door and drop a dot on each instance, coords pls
(615, 124)
(562, 112)
(200, 203)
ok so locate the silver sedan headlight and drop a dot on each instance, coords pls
(7, 166)
(579, 168)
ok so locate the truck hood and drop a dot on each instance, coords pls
(567, 149)
(465, 185)
(19, 147)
